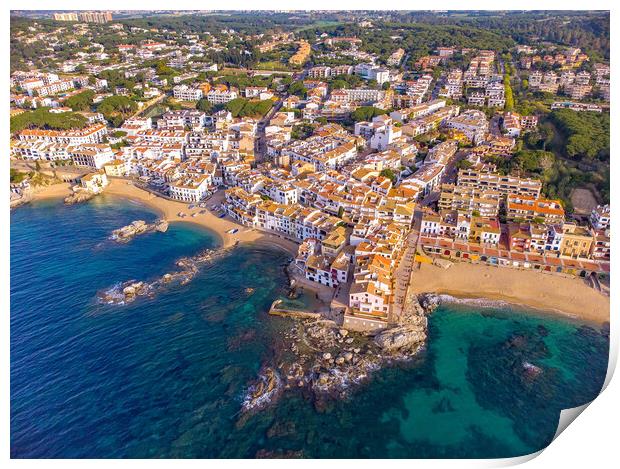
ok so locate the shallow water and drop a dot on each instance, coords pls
(165, 376)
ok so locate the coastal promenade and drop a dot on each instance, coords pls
(402, 275)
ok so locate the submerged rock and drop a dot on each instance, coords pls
(122, 293)
(263, 390)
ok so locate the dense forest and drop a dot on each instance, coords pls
(570, 149)
(588, 30)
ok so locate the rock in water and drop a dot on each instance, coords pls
(263, 391)
(78, 197)
(137, 227)
(162, 226)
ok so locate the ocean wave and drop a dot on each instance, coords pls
(479, 302)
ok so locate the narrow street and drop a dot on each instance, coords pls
(260, 147)
(494, 126)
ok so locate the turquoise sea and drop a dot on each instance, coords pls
(165, 376)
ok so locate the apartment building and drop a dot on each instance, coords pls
(577, 90)
(396, 57)
(511, 124)
(192, 118)
(429, 122)
(446, 224)
(91, 155)
(187, 93)
(523, 207)
(39, 150)
(484, 230)
(220, 96)
(372, 72)
(116, 168)
(99, 17)
(527, 237)
(576, 241)
(505, 185)
(190, 187)
(472, 123)
(469, 200)
(358, 95)
(577, 106)
(410, 113)
(90, 134)
(65, 17)
(600, 218)
(601, 245)
(52, 88)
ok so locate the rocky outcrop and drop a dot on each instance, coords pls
(78, 197)
(409, 337)
(138, 227)
(326, 362)
(161, 226)
(429, 302)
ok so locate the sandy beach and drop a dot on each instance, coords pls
(169, 210)
(553, 293)
(61, 189)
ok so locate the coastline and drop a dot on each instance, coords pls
(554, 294)
(169, 210)
(548, 293)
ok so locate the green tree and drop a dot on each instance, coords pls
(297, 88)
(388, 173)
(117, 108)
(43, 119)
(366, 113)
(510, 102)
(81, 101)
(204, 105)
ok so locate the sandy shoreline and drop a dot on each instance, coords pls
(552, 293)
(169, 210)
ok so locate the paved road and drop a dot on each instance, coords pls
(147, 105)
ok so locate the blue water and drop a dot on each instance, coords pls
(165, 376)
